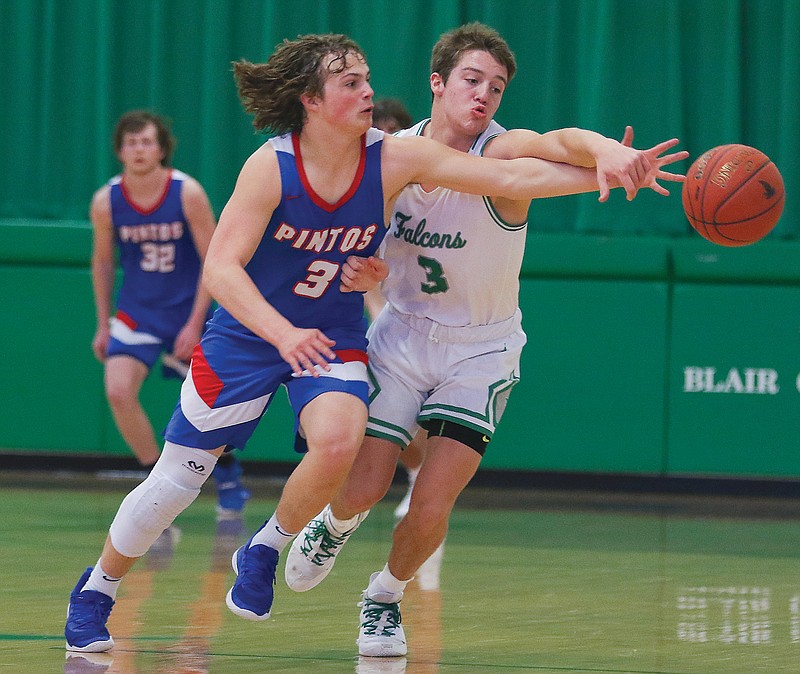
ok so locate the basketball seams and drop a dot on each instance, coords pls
(735, 191)
(697, 203)
(719, 154)
(755, 216)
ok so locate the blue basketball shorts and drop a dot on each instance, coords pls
(130, 338)
(232, 380)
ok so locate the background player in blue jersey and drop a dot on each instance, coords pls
(304, 202)
(158, 222)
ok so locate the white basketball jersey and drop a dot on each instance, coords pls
(451, 256)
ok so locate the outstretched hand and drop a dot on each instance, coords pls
(361, 274)
(658, 161)
(622, 165)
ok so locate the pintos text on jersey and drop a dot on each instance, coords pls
(343, 239)
(161, 231)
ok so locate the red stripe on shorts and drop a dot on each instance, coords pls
(349, 355)
(206, 382)
(127, 320)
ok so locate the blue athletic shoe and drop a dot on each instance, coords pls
(252, 593)
(86, 619)
(231, 495)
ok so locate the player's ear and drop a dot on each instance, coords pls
(437, 84)
(309, 101)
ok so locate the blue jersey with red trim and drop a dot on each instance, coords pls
(158, 257)
(297, 265)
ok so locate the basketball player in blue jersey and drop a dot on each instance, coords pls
(158, 221)
(305, 201)
(445, 351)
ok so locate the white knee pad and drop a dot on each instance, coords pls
(151, 507)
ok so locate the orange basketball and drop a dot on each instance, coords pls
(733, 195)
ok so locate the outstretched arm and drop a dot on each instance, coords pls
(615, 163)
(420, 160)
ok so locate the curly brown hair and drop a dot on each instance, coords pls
(135, 120)
(271, 91)
(469, 37)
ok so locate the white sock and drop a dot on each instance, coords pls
(273, 535)
(337, 526)
(100, 581)
(412, 475)
(385, 588)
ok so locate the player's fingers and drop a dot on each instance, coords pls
(659, 189)
(308, 366)
(672, 158)
(354, 262)
(674, 177)
(347, 277)
(627, 137)
(627, 184)
(663, 146)
(602, 183)
(294, 363)
(325, 355)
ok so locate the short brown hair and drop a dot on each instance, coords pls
(271, 91)
(135, 120)
(391, 108)
(470, 37)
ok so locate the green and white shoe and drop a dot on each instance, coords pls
(314, 551)
(381, 632)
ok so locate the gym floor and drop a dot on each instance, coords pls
(545, 582)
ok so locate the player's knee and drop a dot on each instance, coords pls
(357, 498)
(337, 449)
(429, 509)
(171, 487)
(120, 395)
(147, 511)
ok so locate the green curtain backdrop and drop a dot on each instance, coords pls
(707, 71)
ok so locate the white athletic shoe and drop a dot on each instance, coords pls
(313, 552)
(380, 632)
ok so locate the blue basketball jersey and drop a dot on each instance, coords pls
(297, 265)
(158, 257)
(297, 268)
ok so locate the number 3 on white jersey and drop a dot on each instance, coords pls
(320, 275)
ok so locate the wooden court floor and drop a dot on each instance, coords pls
(538, 582)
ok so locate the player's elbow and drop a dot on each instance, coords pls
(213, 277)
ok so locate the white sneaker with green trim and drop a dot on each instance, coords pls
(381, 632)
(314, 551)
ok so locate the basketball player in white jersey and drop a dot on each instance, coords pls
(445, 351)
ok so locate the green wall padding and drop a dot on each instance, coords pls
(707, 71)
